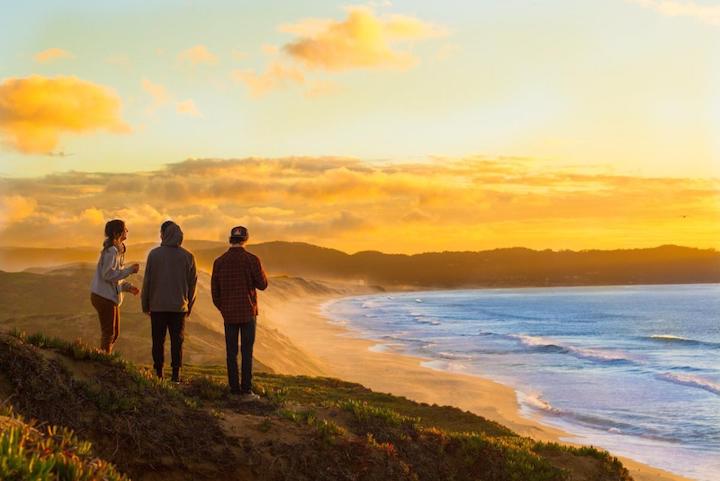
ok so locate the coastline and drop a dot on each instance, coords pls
(343, 355)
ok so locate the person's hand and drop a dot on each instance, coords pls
(134, 290)
(134, 268)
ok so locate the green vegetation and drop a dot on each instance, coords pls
(302, 428)
(28, 453)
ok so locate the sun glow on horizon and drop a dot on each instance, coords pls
(442, 204)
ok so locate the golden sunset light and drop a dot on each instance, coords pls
(388, 240)
(358, 126)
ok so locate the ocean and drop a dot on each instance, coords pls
(632, 369)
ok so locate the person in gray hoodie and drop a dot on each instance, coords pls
(168, 295)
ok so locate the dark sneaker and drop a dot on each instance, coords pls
(176, 376)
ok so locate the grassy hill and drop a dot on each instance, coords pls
(303, 428)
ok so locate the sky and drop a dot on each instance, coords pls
(403, 126)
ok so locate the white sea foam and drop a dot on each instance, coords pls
(535, 401)
(455, 355)
(440, 365)
(384, 347)
(692, 381)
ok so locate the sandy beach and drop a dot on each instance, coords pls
(341, 355)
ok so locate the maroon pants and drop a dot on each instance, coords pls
(109, 316)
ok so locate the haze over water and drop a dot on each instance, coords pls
(633, 369)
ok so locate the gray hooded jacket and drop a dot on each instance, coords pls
(170, 275)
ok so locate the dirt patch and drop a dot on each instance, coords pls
(79, 370)
(260, 430)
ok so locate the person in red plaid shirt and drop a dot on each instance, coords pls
(235, 276)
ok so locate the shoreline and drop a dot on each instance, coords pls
(343, 355)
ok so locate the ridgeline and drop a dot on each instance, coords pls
(511, 267)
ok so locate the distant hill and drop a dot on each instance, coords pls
(509, 267)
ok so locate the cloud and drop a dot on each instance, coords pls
(269, 49)
(198, 55)
(159, 94)
(444, 203)
(276, 76)
(15, 208)
(36, 110)
(362, 40)
(677, 8)
(162, 97)
(187, 107)
(52, 54)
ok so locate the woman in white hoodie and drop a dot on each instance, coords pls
(108, 284)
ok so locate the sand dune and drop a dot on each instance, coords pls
(55, 301)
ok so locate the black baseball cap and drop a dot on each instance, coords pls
(238, 234)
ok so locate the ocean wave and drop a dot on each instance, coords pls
(542, 344)
(691, 381)
(455, 355)
(670, 339)
(535, 401)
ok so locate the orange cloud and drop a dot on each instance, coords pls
(159, 94)
(362, 40)
(467, 203)
(197, 55)
(14, 208)
(52, 54)
(187, 107)
(36, 110)
(277, 75)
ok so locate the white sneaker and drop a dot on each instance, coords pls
(249, 396)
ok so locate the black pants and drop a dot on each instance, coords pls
(246, 331)
(161, 323)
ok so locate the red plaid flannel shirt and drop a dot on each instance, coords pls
(235, 276)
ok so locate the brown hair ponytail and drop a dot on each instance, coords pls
(113, 229)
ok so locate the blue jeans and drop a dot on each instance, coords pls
(246, 332)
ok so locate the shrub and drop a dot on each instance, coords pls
(53, 454)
